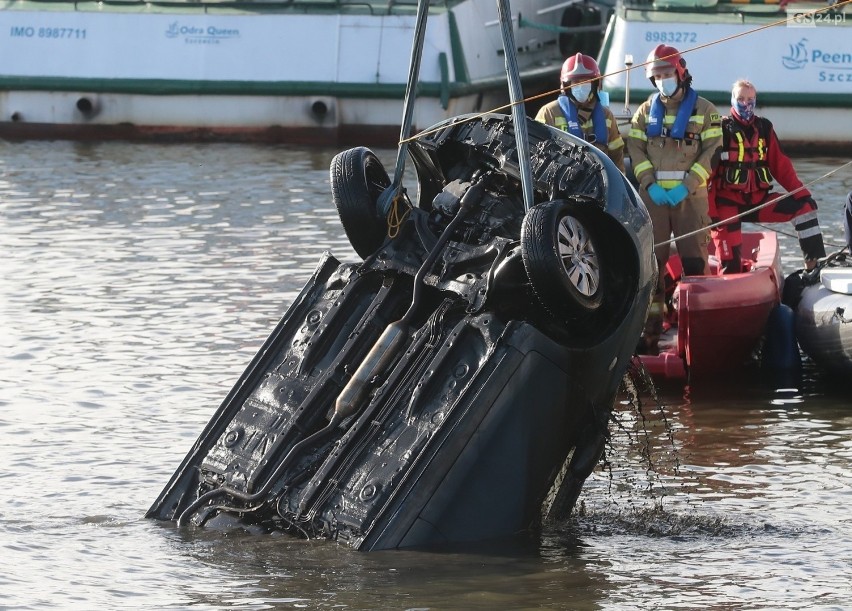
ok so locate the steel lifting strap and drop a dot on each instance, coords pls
(516, 97)
(390, 194)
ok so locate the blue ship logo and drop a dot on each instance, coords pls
(798, 56)
(173, 31)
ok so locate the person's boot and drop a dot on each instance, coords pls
(734, 265)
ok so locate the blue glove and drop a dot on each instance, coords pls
(658, 195)
(677, 194)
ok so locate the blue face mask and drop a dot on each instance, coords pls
(744, 111)
(667, 86)
(581, 92)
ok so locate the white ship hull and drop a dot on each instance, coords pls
(283, 72)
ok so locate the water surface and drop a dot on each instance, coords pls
(139, 280)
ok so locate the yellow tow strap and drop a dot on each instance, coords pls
(395, 220)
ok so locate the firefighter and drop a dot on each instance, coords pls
(750, 159)
(579, 111)
(672, 139)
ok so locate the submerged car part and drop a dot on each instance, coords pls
(431, 393)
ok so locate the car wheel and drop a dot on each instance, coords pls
(358, 178)
(560, 253)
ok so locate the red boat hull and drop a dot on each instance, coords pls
(719, 319)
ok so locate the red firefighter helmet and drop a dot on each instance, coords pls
(664, 56)
(579, 67)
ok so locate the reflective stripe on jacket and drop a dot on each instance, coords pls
(670, 161)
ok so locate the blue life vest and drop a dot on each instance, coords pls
(598, 120)
(658, 113)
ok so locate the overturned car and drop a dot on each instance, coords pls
(432, 392)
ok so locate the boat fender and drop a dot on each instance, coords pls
(780, 349)
(581, 15)
(569, 42)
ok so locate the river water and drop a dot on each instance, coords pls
(139, 280)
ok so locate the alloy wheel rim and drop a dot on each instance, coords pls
(578, 256)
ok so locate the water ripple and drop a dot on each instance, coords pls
(139, 281)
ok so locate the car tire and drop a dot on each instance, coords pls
(559, 246)
(358, 178)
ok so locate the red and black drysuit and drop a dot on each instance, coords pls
(750, 158)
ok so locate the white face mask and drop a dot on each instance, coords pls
(581, 92)
(667, 86)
